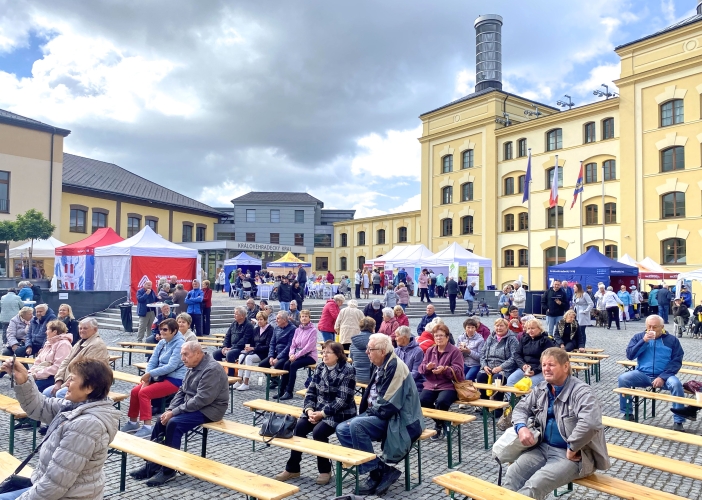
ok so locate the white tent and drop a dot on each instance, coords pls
(388, 257)
(43, 249)
(403, 256)
(456, 253)
(628, 260)
(243, 259)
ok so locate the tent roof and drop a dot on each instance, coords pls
(146, 243)
(628, 260)
(243, 259)
(100, 238)
(404, 255)
(288, 260)
(454, 253)
(592, 262)
(43, 249)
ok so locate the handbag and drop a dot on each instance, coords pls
(275, 425)
(508, 448)
(465, 389)
(505, 421)
(15, 482)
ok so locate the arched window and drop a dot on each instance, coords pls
(446, 195)
(447, 164)
(467, 224)
(344, 240)
(554, 139)
(361, 238)
(402, 234)
(610, 213)
(672, 112)
(509, 258)
(591, 215)
(361, 261)
(550, 256)
(590, 173)
(508, 150)
(342, 264)
(674, 251)
(522, 147)
(549, 177)
(523, 221)
(590, 132)
(509, 186)
(447, 227)
(610, 170)
(673, 205)
(592, 246)
(607, 128)
(509, 223)
(673, 159)
(381, 236)
(520, 183)
(467, 191)
(551, 217)
(524, 258)
(611, 251)
(467, 159)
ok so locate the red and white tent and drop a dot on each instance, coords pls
(75, 263)
(145, 256)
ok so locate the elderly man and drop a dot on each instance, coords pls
(145, 296)
(251, 311)
(519, 298)
(202, 398)
(570, 419)
(164, 314)
(173, 283)
(194, 299)
(36, 334)
(389, 412)
(239, 334)
(555, 301)
(426, 319)
(664, 297)
(469, 296)
(410, 353)
(279, 346)
(374, 310)
(658, 358)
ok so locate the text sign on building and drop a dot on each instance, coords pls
(265, 247)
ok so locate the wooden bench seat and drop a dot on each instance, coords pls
(268, 372)
(664, 464)
(651, 430)
(592, 355)
(126, 377)
(623, 489)
(8, 465)
(630, 365)
(654, 396)
(472, 487)
(248, 483)
(130, 351)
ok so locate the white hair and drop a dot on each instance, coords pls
(403, 331)
(353, 304)
(192, 346)
(388, 313)
(381, 341)
(241, 310)
(658, 318)
(284, 315)
(339, 298)
(91, 322)
(434, 323)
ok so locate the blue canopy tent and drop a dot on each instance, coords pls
(592, 268)
(243, 261)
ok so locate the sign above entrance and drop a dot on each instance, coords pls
(244, 246)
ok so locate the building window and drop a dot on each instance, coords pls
(153, 224)
(4, 192)
(467, 224)
(610, 170)
(200, 234)
(299, 216)
(607, 129)
(344, 240)
(508, 150)
(611, 251)
(447, 164)
(343, 264)
(673, 205)
(549, 177)
(446, 195)
(361, 261)
(509, 222)
(402, 234)
(591, 215)
(522, 147)
(523, 221)
(610, 213)
(554, 139)
(590, 173)
(299, 239)
(674, 251)
(250, 215)
(467, 191)
(77, 224)
(361, 238)
(520, 183)
(672, 113)
(322, 240)
(381, 236)
(321, 263)
(133, 226)
(550, 256)
(551, 216)
(467, 159)
(447, 227)
(275, 239)
(99, 220)
(509, 186)
(590, 132)
(673, 159)
(509, 258)
(188, 233)
(524, 258)
(275, 215)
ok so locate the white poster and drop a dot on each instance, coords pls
(453, 271)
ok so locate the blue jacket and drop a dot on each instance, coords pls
(165, 361)
(426, 319)
(653, 297)
(624, 297)
(279, 347)
(194, 300)
(361, 362)
(26, 294)
(37, 329)
(144, 298)
(657, 358)
(686, 298)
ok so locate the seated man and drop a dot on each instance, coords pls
(570, 418)
(239, 334)
(681, 315)
(202, 398)
(658, 358)
(390, 413)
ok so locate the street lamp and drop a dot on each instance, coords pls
(606, 93)
(563, 104)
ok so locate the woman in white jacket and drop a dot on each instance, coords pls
(612, 303)
(348, 323)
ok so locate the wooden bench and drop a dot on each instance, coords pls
(8, 465)
(248, 483)
(631, 365)
(623, 489)
(515, 393)
(268, 372)
(650, 430)
(664, 464)
(130, 351)
(636, 394)
(472, 487)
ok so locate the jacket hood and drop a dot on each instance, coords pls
(58, 338)
(412, 344)
(309, 326)
(359, 340)
(103, 411)
(50, 315)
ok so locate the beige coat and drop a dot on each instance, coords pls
(93, 348)
(348, 324)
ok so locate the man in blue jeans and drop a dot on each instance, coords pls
(555, 301)
(664, 298)
(658, 358)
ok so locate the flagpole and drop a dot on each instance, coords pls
(555, 181)
(582, 193)
(529, 227)
(603, 209)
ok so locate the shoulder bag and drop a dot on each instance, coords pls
(15, 482)
(465, 389)
(275, 425)
(508, 447)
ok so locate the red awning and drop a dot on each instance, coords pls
(100, 238)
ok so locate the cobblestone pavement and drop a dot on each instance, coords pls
(476, 461)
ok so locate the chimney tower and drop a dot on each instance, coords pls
(488, 52)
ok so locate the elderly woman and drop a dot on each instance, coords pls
(294, 314)
(426, 339)
(164, 375)
(303, 353)
(528, 355)
(65, 314)
(582, 303)
(184, 321)
(515, 325)
(389, 324)
(442, 364)
(504, 301)
(25, 292)
(567, 335)
(328, 402)
(400, 315)
(256, 351)
(497, 358)
(17, 330)
(409, 352)
(56, 348)
(81, 427)
(403, 296)
(347, 322)
(164, 292)
(470, 343)
(359, 344)
(329, 314)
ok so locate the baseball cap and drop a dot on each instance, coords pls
(376, 304)
(632, 287)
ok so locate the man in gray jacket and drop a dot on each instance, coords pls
(569, 418)
(202, 398)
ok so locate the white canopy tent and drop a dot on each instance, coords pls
(43, 249)
(392, 254)
(456, 253)
(402, 256)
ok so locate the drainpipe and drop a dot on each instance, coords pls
(51, 173)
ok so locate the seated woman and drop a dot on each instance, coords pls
(567, 334)
(65, 314)
(359, 344)
(258, 350)
(81, 425)
(400, 315)
(184, 321)
(389, 325)
(303, 352)
(426, 339)
(483, 330)
(471, 344)
(16, 331)
(164, 375)
(329, 401)
(528, 355)
(442, 364)
(515, 325)
(57, 347)
(409, 352)
(497, 358)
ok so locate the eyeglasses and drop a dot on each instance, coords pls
(368, 349)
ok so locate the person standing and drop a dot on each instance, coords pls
(329, 314)
(194, 299)
(301, 278)
(582, 303)
(469, 296)
(612, 302)
(440, 285)
(664, 298)
(374, 310)
(519, 298)
(635, 311)
(206, 307)
(357, 278)
(626, 303)
(403, 296)
(423, 286)
(10, 306)
(285, 294)
(452, 292)
(556, 303)
(145, 295)
(653, 299)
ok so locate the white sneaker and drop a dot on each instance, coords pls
(243, 387)
(237, 385)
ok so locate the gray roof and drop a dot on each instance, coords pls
(108, 178)
(484, 92)
(10, 118)
(276, 197)
(690, 20)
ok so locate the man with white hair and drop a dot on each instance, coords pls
(36, 334)
(519, 298)
(389, 412)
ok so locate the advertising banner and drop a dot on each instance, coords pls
(155, 268)
(453, 271)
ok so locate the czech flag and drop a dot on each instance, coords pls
(578, 186)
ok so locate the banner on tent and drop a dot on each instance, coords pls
(453, 271)
(75, 272)
(155, 268)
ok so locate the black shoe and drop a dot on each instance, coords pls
(629, 417)
(688, 412)
(144, 472)
(390, 475)
(161, 478)
(438, 436)
(369, 485)
(285, 397)
(43, 429)
(276, 396)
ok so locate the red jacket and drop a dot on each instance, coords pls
(484, 331)
(207, 299)
(425, 340)
(389, 327)
(402, 319)
(329, 315)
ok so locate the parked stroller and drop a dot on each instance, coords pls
(483, 308)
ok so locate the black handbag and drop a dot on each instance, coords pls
(15, 482)
(275, 425)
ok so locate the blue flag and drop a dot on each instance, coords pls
(578, 186)
(527, 179)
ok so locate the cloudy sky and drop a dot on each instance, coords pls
(217, 98)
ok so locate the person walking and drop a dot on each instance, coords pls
(452, 292)
(145, 295)
(423, 286)
(582, 303)
(469, 297)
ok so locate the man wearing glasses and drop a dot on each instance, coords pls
(390, 413)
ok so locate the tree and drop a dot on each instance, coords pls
(8, 233)
(32, 225)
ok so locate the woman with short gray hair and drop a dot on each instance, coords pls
(389, 324)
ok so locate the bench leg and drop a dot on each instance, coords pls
(268, 386)
(485, 427)
(12, 434)
(450, 430)
(123, 472)
(564, 492)
(587, 376)
(340, 480)
(636, 408)
(231, 399)
(130, 358)
(203, 452)
(123, 360)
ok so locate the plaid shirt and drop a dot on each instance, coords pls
(332, 391)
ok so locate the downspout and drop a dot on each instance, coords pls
(51, 173)
(504, 104)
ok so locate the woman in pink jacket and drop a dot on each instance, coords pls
(423, 286)
(400, 315)
(403, 297)
(389, 324)
(57, 347)
(303, 352)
